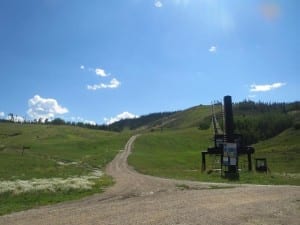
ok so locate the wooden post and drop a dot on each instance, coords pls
(249, 162)
(203, 168)
(23, 149)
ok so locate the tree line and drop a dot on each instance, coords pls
(257, 121)
(118, 126)
(261, 121)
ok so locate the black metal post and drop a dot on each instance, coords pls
(249, 162)
(228, 119)
(229, 128)
(203, 161)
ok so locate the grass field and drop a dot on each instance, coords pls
(282, 152)
(177, 154)
(188, 118)
(66, 162)
(57, 155)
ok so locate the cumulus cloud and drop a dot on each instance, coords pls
(15, 118)
(158, 4)
(98, 71)
(80, 119)
(101, 72)
(91, 122)
(265, 87)
(251, 96)
(114, 83)
(212, 49)
(2, 114)
(19, 119)
(122, 116)
(44, 108)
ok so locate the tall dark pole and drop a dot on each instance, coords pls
(229, 137)
(228, 119)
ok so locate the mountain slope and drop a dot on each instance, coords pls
(171, 120)
(255, 121)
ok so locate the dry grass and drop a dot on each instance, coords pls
(50, 184)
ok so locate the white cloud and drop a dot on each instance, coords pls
(98, 71)
(15, 118)
(122, 116)
(19, 119)
(101, 72)
(114, 83)
(44, 108)
(2, 114)
(158, 4)
(265, 87)
(91, 122)
(212, 49)
(251, 96)
(80, 119)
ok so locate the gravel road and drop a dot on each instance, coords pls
(141, 199)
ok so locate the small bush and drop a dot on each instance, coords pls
(205, 123)
(297, 126)
(203, 126)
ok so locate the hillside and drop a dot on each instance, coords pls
(68, 159)
(282, 151)
(190, 117)
(52, 144)
(255, 121)
(175, 151)
(60, 163)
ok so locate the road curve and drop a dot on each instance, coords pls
(142, 199)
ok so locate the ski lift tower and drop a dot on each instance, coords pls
(228, 145)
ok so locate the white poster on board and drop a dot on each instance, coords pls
(232, 161)
(230, 154)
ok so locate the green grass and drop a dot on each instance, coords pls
(188, 118)
(52, 144)
(282, 152)
(169, 153)
(55, 151)
(177, 154)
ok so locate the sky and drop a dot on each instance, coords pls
(100, 61)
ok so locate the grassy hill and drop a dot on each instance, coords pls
(63, 162)
(282, 152)
(177, 154)
(250, 116)
(191, 117)
(175, 150)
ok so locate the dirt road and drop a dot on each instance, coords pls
(140, 199)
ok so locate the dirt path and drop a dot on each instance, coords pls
(141, 199)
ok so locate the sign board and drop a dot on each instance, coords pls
(230, 154)
(219, 142)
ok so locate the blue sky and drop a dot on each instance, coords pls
(91, 60)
